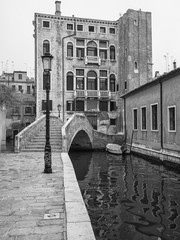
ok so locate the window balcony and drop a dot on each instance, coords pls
(104, 94)
(112, 95)
(92, 60)
(79, 93)
(92, 93)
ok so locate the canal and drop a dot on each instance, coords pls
(128, 197)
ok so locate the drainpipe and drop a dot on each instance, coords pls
(161, 113)
(63, 90)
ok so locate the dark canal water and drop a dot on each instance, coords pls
(129, 198)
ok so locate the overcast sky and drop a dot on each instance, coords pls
(16, 36)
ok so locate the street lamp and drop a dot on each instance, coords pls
(47, 59)
(59, 109)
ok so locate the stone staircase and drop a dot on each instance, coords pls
(37, 143)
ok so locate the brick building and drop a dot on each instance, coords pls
(94, 62)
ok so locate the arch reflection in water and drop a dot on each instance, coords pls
(129, 198)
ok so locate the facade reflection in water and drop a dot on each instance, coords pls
(128, 198)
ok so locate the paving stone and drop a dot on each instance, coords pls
(26, 194)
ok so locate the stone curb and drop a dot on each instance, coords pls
(77, 218)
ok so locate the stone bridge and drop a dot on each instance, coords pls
(77, 134)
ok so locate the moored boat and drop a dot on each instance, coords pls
(114, 148)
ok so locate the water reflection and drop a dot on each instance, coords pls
(129, 198)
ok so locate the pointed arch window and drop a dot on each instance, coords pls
(112, 53)
(91, 80)
(112, 83)
(46, 46)
(91, 49)
(70, 81)
(69, 49)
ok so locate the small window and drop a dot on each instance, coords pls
(20, 88)
(28, 89)
(103, 80)
(28, 110)
(112, 83)
(79, 79)
(69, 26)
(70, 81)
(135, 118)
(125, 85)
(91, 28)
(154, 117)
(112, 121)
(172, 118)
(103, 106)
(46, 24)
(80, 48)
(79, 27)
(16, 111)
(112, 30)
(112, 53)
(143, 118)
(79, 105)
(20, 76)
(69, 49)
(135, 65)
(70, 105)
(46, 47)
(135, 22)
(13, 87)
(102, 30)
(112, 106)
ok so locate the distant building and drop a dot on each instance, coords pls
(95, 61)
(152, 117)
(22, 115)
(18, 81)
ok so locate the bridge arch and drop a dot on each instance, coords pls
(76, 129)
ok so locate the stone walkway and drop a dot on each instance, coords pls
(32, 205)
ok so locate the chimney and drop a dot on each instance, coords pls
(58, 8)
(174, 64)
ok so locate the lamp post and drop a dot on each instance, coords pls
(59, 109)
(47, 59)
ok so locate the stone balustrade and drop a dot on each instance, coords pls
(28, 133)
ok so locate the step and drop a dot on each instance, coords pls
(42, 147)
(39, 150)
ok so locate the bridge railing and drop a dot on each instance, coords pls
(22, 138)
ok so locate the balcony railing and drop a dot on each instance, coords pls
(95, 93)
(104, 94)
(92, 93)
(79, 93)
(92, 60)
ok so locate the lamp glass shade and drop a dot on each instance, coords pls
(47, 62)
(59, 107)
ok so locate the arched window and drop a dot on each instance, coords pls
(46, 47)
(70, 81)
(91, 80)
(112, 53)
(69, 49)
(112, 83)
(91, 49)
